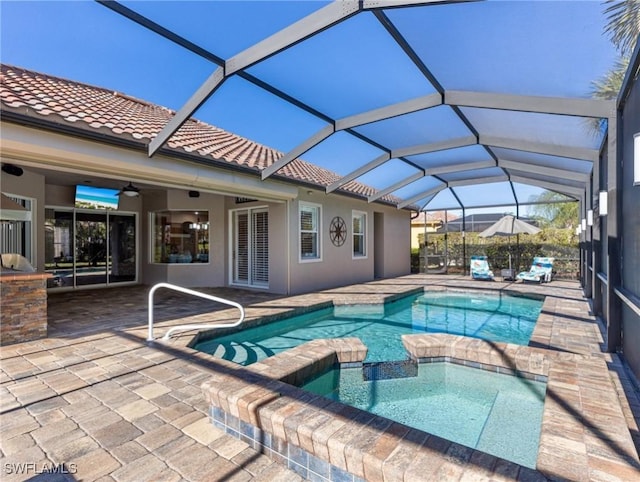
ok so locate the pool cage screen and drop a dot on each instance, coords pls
(451, 237)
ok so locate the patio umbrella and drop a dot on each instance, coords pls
(508, 226)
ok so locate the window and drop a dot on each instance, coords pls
(16, 228)
(309, 232)
(359, 222)
(180, 237)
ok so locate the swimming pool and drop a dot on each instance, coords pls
(497, 414)
(490, 316)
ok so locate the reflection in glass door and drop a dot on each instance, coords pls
(92, 263)
(85, 248)
(58, 232)
(122, 248)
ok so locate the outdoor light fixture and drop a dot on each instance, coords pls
(130, 190)
(13, 170)
(603, 203)
(584, 224)
(578, 231)
(589, 217)
(636, 159)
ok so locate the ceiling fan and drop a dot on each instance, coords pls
(129, 190)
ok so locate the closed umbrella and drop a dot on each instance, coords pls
(508, 226)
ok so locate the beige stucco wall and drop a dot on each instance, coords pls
(416, 231)
(286, 273)
(397, 242)
(338, 266)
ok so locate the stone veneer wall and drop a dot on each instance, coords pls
(583, 437)
(23, 307)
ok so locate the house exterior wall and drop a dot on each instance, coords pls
(397, 259)
(53, 152)
(416, 231)
(389, 227)
(337, 265)
(629, 223)
(278, 248)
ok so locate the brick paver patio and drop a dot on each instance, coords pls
(95, 400)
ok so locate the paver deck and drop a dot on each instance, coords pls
(97, 398)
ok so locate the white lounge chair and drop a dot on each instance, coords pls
(541, 270)
(480, 268)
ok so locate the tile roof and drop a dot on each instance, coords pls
(97, 109)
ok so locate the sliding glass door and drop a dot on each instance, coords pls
(84, 248)
(91, 257)
(59, 252)
(122, 248)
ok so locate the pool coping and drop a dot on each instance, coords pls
(584, 435)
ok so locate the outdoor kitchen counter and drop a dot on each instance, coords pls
(23, 314)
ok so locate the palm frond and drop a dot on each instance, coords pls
(623, 24)
(607, 87)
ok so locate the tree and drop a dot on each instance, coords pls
(555, 213)
(623, 24)
(608, 86)
(623, 28)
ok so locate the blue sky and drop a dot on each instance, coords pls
(520, 47)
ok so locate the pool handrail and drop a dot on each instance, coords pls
(190, 327)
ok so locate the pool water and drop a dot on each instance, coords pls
(494, 413)
(493, 316)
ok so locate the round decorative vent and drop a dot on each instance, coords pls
(338, 231)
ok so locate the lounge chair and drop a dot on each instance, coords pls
(16, 262)
(540, 271)
(480, 268)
